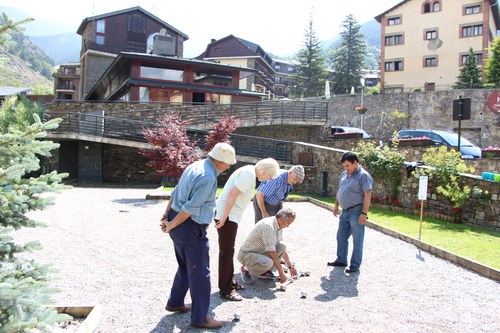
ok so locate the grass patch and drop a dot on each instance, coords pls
(472, 242)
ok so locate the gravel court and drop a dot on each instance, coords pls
(108, 248)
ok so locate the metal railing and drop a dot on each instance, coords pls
(132, 130)
(276, 112)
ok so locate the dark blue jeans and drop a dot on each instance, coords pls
(192, 253)
(349, 225)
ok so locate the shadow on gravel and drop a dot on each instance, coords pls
(174, 322)
(136, 202)
(338, 284)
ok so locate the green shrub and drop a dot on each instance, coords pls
(384, 163)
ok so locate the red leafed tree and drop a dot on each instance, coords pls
(220, 132)
(173, 151)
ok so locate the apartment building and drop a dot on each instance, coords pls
(273, 76)
(424, 43)
(67, 81)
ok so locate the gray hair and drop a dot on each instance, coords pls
(286, 213)
(268, 167)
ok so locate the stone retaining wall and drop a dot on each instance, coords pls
(326, 166)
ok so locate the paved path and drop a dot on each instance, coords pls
(108, 248)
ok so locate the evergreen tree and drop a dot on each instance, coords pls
(311, 72)
(348, 57)
(17, 113)
(492, 65)
(470, 74)
(24, 289)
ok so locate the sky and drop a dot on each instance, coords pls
(278, 26)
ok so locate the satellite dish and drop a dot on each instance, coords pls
(163, 32)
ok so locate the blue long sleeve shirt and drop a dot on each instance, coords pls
(196, 191)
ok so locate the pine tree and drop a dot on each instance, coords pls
(17, 113)
(492, 65)
(311, 70)
(348, 57)
(470, 74)
(24, 289)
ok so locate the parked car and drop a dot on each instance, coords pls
(443, 138)
(344, 129)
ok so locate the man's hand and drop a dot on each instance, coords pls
(265, 214)
(165, 225)
(336, 211)
(293, 272)
(362, 219)
(283, 277)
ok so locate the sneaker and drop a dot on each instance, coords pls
(245, 275)
(267, 276)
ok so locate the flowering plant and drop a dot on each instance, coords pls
(417, 205)
(455, 211)
(375, 199)
(396, 202)
(387, 200)
(492, 148)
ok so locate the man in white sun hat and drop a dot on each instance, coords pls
(189, 211)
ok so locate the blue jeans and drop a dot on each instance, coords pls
(349, 225)
(193, 274)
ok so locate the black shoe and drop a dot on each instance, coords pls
(337, 264)
(351, 270)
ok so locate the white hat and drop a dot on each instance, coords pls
(223, 152)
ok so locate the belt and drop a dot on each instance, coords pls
(203, 225)
(347, 209)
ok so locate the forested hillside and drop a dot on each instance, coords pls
(23, 64)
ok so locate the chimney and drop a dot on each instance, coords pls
(212, 40)
(164, 45)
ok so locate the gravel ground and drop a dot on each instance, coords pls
(108, 248)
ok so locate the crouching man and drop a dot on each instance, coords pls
(263, 249)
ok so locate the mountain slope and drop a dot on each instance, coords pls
(16, 72)
(61, 48)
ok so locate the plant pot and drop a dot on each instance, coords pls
(89, 315)
(490, 153)
(348, 135)
(413, 143)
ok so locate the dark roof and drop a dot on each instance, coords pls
(493, 4)
(126, 56)
(254, 48)
(123, 11)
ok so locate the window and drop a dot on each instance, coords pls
(436, 7)
(218, 49)
(394, 66)
(162, 73)
(277, 67)
(100, 28)
(430, 34)
(394, 20)
(474, 9)
(430, 61)
(136, 23)
(290, 69)
(427, 8)
(465, 57)
(472, 30)
(394, 40)
(99, 40)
